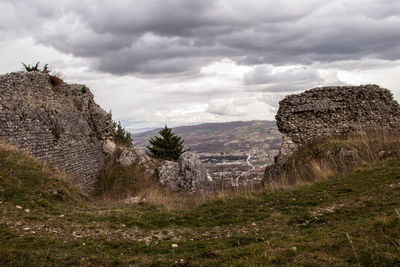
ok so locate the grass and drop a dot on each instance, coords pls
(348, 220)
(117, 182)
(333, 157)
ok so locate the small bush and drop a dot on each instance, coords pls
(30, 68)
(55, 78)
(121, 135)
(84, 89)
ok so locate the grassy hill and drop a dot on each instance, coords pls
(350, 220)
(228, 137)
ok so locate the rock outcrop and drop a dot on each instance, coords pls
(332, 111)
(139, 156)
(56, 122)
(188, 174)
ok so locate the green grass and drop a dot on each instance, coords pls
(354, 220)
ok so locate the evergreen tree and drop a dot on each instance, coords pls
(167, 146)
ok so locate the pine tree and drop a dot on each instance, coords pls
(168, 146)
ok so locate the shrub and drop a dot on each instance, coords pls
(55, 78)
(121, 135)
(84, 89)
(30, 68)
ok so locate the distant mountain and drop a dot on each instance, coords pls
(238, 137)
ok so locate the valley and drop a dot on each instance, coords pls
(234, 153)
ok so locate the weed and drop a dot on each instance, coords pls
(84, 89)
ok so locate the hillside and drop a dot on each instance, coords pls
(237, 137)
(353, 220)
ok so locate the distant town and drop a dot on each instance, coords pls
(234, 153)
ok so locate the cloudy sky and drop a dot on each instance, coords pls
(184, 62)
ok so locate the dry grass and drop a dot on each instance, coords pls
(335, 157)
(158, 195)
(55, 81)
(118, 183)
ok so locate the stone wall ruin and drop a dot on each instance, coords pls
(55, 122)
(332, 111)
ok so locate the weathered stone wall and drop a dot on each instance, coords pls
(59, 124)
(333, 111)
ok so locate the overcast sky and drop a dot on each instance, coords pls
(184, 62)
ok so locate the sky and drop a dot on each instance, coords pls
(183, 62)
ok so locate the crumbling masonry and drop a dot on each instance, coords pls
(55, 122)
(332, 111)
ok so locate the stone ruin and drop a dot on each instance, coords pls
(332, 111)
(56, 122)
(62, 125)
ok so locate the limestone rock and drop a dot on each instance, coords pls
(187, 174)
(193, 170)
(109, 147)
(136, 155)
(169, 175)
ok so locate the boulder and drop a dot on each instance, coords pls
(188, 174)
(109, 147)
(136, 155)
(170, 176)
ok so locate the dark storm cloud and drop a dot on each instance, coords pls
(179, 36)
